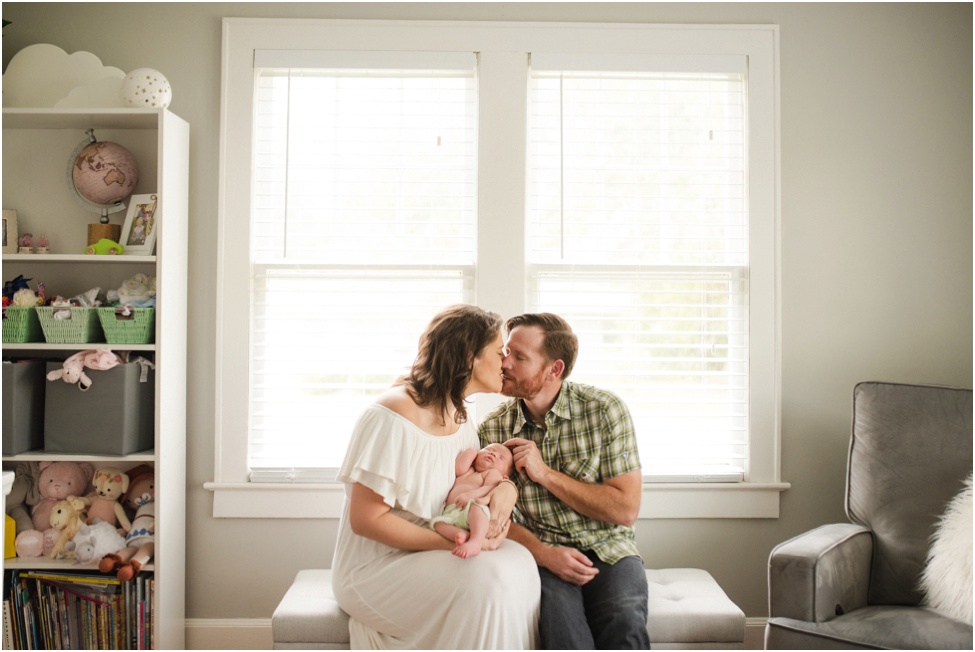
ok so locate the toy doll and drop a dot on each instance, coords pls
(140, 541)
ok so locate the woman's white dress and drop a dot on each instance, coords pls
(430, 599)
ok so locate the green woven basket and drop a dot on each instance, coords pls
(138, 327)
(70, 325)
(21, 325)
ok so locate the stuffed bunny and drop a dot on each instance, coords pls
(73, 370)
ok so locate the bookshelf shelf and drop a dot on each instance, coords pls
(57, 565)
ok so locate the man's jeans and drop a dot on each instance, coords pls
(607, 613)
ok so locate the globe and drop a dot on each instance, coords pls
(105, 173)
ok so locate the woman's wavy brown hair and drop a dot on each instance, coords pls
(445, 359)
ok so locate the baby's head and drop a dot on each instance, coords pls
(495, 456)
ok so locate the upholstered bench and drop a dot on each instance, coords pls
(688, 610)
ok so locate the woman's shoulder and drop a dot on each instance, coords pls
(397, 399)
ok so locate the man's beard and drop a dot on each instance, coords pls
(524, 389)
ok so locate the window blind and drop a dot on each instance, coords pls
(363, 227)
(638, 234)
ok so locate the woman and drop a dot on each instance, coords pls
(392, 573)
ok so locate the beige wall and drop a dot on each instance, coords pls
(876, 253)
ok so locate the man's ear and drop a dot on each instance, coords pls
(557, 368)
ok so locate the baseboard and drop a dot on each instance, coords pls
(755, 633)
(228, 634)
(255, 634)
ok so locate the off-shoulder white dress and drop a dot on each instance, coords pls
(430, 599)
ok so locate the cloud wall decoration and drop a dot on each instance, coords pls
(42, 75)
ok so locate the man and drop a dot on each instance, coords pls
(579, 484)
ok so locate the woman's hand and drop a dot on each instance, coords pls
(502, 500)
(493, 543)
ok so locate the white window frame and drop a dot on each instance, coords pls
(503, 50)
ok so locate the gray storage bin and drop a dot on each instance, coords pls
(23, 406)
(112, 417)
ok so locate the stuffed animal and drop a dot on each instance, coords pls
(50, 482)
(56, 481)
(87, 299)
(110, 484)
(105, 247)
(140, 542)
(34, 543)
(67, 517)
(92, 542)
(23, 495)
(138, 291)
(24, 298)
(10, 287)
(73, 369)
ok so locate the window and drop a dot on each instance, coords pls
(521, 168)
(638, 235)
(363, 227)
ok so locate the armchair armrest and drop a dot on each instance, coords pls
(821, 573)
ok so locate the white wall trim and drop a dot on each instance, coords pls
(660, 500)
(255, 633)
(755, 633)
(228, 634)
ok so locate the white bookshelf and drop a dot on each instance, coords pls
(36, 146)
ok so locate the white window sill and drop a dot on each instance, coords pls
(660, 500)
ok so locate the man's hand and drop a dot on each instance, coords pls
(613, 500)
(528, 459)
(568, 564)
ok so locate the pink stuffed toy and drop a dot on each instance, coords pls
(109, 484)
(34, 543)
(73, 370)
(56, 481)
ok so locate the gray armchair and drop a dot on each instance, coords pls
(855, 585)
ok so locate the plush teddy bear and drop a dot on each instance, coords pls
(56, 481)
(92, 542)
(110, 484)
(67, 517)
(140, 541)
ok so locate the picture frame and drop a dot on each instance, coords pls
(140, 226)
(10, 234)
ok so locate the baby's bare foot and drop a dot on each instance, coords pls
(469, 549)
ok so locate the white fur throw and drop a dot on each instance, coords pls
(947, 578)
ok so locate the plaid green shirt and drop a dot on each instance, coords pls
(589, 436)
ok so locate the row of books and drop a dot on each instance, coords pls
(44, 610)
